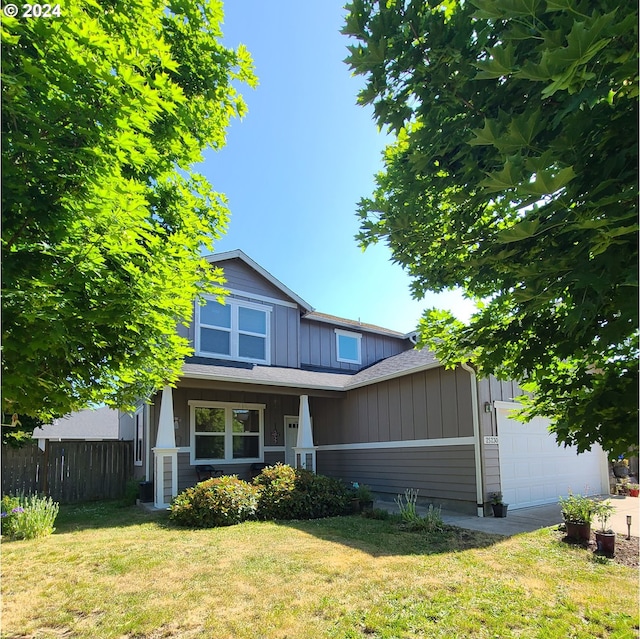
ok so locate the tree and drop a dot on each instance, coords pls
(105, 110)
(513, 175)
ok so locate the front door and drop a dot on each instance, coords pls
(290, 439)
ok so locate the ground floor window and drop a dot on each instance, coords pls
(225, 432)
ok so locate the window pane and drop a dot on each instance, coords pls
(245, 446)
(209, 446)
(348, 348)
(212, 341)
(210, 420)
(252, 347)
(215, 314)
(251, 320)
(246, 421)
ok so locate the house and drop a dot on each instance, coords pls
(96, 424)
(272, 380)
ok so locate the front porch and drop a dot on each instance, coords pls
(234, 430)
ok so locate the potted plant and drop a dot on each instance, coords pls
(634, 490)
(578, 512)
(363, 493)
(605, 537)
(621, 467)
(498, 506)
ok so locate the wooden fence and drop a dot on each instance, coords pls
(69, 471)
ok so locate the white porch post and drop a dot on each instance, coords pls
(165, 454)
(305, 451)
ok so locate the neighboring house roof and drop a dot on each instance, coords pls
(101, 423)
(405, 363)
(238, 254)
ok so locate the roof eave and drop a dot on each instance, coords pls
(237, 253)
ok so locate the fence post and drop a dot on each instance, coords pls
(45, 470)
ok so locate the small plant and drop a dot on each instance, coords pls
(634, 486)
(432, 521)
(362, 492)
(577, 509)
(496, 498)
(407, 506)
(28, 517)
(603, 511)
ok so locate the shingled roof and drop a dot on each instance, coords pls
(399, 365)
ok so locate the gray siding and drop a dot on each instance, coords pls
(241, 276)
(442, 474)
(431, 404)
(491, 389)
(318, 346)
(285, 320)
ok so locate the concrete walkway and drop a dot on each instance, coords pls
(530, 519)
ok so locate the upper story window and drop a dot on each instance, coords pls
(234, 330)
(348, 347)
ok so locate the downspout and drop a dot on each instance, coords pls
(475, 415)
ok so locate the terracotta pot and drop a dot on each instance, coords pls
(633, 492)
(606, 543)
(579, 532)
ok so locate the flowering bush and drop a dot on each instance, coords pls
(27, 517)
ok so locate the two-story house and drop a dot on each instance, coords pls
(272, 380)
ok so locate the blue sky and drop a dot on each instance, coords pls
(295, 167)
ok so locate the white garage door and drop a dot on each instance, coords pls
(534, 470)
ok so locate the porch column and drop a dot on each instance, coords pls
(304, 450)
(165, 454)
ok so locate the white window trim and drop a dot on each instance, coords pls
(234, 331)
(357, 336)
(228, 435)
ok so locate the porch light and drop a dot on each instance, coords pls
(487, 407)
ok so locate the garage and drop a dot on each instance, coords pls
(534, 470)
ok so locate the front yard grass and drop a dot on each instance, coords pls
(120, 572)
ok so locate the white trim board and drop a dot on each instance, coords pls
(237, 253)
(412, 443)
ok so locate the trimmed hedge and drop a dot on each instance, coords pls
(279, 492)
(288, 493)
(221, 501)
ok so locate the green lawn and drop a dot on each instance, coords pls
(120, 572)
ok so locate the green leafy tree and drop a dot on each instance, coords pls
(514, 175)
(105, 110)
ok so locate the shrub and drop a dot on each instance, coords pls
(28, 517)
(221, 501)
(577, 509)
(287, 493)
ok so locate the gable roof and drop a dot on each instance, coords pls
(353, 324)
(238, 254)
(405, 363)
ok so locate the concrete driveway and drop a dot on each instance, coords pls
(530, 519)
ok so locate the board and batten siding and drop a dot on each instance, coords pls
(491, 389)
(442, 474)
(414, 431)
(432, 404)
(318, 345)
